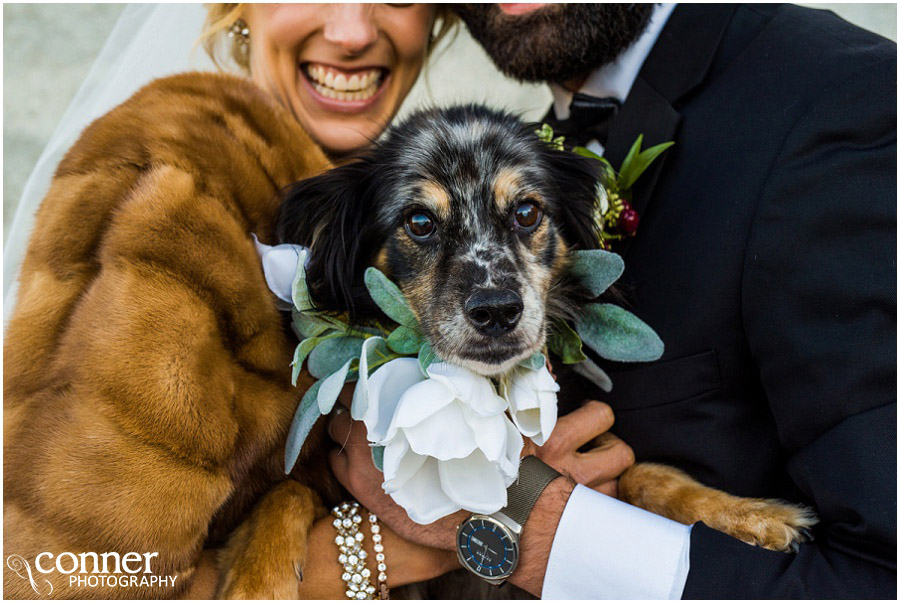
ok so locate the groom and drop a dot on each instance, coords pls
(765, 260)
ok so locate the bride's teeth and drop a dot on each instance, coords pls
(341, 87)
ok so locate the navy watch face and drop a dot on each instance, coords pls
(487, 547)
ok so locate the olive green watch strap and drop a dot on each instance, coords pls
(534, 476)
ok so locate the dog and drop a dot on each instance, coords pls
(474, 218)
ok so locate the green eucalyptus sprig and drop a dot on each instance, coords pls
(615, 217)
(332, 349)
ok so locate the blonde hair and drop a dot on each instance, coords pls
(220, 17)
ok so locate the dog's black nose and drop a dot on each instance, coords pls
(494, 311)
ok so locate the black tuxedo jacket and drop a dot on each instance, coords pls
(765, 259)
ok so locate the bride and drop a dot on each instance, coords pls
(147, 379)
(147, 382)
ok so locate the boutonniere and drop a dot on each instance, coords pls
(615, 217)
(445, 437)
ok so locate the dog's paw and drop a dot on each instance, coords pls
(261, 579)
(771, 524)
(265, 554)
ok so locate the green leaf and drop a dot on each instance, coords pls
(640, 164)
(307, 324)
(565, 343)
(609, 172)
(534, 362)
(378, 457)
(596, 269)
(617, 334)
(304, 418)
(299, 290)
(625, 169)
(331, 354)
(404, 340)
(389, 298)
(586, 152)
(594, 373)
(331, 388)
(426, 357)
(300, 353)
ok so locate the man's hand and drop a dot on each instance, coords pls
(598, 467)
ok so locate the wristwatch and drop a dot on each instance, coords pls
(488, 545)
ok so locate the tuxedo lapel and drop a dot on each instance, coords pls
(678, 63)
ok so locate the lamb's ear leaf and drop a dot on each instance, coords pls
(378, 457)
(299, 290)
(617, 334)
(300, 353)
(404, 340)
(331, 388)
(426, 357)
(304, 418)
(331, 354)
(589, 370)
(563, 341)
(307, 324)
(389, 298)
(535, 362)
(596, 269)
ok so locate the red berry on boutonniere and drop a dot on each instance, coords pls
(629, 220)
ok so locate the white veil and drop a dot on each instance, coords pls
(148, 41)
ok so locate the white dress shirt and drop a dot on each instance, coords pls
(604, 548)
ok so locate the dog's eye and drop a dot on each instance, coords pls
(420, 225)
(528, 215)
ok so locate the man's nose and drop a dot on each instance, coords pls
(494, 311)
(351, 27)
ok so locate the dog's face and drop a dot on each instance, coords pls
(469, 213)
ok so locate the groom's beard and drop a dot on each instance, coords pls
(557, 42)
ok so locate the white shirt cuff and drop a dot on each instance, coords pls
(607, 549)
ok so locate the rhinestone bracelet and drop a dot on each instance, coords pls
(383, 591)
(352, 556)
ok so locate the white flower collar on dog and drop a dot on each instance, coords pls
(279, 263)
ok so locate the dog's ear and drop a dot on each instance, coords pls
(328, 213)
(575, 181)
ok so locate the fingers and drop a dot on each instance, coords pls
(340, 465)
(345, 431)
(610, 488)
(579, 427)
(604, 463)
(339, 425)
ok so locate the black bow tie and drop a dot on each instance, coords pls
(589, 119)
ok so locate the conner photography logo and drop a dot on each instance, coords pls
(90, 570)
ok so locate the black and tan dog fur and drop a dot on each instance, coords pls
(439, 207)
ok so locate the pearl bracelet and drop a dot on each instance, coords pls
(383, 591)
(352, 555)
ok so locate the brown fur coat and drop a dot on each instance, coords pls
(147, 389)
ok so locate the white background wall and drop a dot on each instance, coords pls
(48, 49)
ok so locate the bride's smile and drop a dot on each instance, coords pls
(343, 69)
